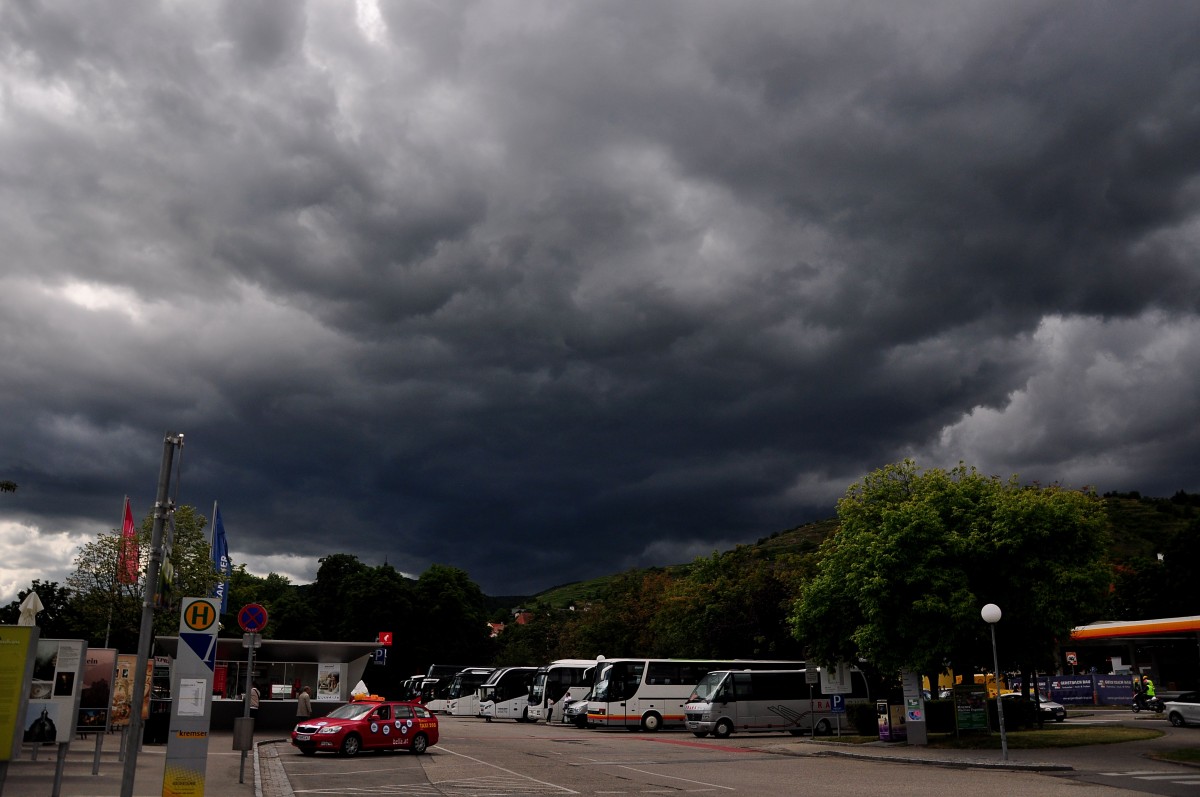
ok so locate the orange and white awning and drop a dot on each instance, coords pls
(1125, 628)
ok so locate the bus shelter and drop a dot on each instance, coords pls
(282, 668)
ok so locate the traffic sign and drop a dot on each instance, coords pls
(837, 704)
(252, 618)
(385, 638)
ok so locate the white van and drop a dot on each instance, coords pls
(759, 701)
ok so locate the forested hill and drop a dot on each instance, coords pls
(1142, 527)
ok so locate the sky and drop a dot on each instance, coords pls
(546, 291)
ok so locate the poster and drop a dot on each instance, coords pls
(123, 690)
(95, 697)
(329, 681)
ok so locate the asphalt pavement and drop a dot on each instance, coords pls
(87, 775)
(261, 774)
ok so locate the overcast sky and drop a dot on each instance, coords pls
(549, 290)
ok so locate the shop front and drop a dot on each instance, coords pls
(281, 669)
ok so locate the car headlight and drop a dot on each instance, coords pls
(330, 729)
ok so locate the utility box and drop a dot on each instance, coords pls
(891, 722)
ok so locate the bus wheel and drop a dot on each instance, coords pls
(723, 729)
(824, 728)
(651, 722)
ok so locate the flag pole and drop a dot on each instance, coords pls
(112, 587)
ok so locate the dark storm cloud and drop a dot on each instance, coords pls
(545, 291)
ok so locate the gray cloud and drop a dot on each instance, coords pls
(544, 291)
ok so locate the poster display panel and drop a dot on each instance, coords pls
(123, 690)
(18, 644)
(96, 693)
(54, 691)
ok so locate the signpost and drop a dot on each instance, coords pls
(252, 618)
(191, 710)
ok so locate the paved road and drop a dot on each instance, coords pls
(514, 760)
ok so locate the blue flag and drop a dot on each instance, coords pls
(221, 563)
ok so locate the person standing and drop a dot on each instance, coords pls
(253, 701)
(303, 705)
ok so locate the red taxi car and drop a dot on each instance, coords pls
(368, 725)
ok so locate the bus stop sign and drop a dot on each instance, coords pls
(252, 618)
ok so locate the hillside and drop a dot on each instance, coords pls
(1140, 526)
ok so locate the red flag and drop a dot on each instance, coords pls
(127, 559)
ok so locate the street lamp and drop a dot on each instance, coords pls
(991, 615)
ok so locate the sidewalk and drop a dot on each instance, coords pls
(28, 778)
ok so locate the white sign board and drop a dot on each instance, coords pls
(835, 680)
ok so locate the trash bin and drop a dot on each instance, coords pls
(158, 724)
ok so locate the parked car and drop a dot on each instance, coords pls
(368, 725)
(576, 711)
(1184, 709)
(1049, 708)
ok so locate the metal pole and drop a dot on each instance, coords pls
(146, 632)
(999, 702)
(246, 708)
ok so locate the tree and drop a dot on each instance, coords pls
(901, 583)
(108, 609)
(57, 620)
(8, 487)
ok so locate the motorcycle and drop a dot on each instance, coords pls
(1154, 704)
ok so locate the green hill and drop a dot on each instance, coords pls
(1141, 527)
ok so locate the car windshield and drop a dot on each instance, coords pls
(351, 711)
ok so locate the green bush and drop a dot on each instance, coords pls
(864, 719)
(939, 716)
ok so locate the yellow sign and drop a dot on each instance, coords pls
(200, 616)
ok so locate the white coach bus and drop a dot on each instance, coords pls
(650, 693)
(505, 694)
(463, 698)
(759, 701)
(555, 684)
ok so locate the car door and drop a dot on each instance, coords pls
(377, 733)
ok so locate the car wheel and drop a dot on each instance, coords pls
(307, 751)
(651, 722)
(1176, 719)
(1060, 719)
(351, 745)
(581, 721)
(699, 734)
(723, 729)
(419, 744)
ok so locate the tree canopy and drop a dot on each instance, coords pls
(918, 553)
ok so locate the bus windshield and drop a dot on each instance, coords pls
(706, 690)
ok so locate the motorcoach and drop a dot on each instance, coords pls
(757, 701)
(649, 694)
(556, 684)
(505, 694)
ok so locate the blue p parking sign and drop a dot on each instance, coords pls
(837, 704)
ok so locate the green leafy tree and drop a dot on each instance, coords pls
(901, 582)
(450, 617)
(110, 609)
(57, 620)
(8, 487)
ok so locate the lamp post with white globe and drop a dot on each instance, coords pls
(991, 615)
